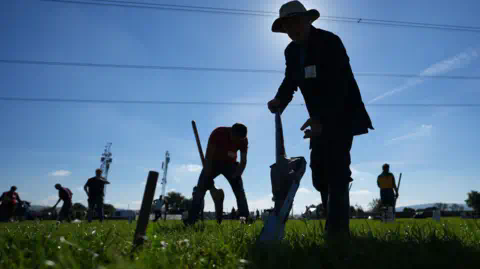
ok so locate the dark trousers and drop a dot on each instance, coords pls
(205, 183)
(331, 175)
(65, 211)
(95, 202)
(387, 197)
(7, 211)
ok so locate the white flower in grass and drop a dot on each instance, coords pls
(164, 244)
(49, 263)
(184, 242)
(93, 232)
(244, 261)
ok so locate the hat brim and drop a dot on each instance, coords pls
(277, 26)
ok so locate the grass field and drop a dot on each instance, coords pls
(451, 243)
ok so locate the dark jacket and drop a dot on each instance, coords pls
(331, 95)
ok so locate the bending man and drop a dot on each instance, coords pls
(221, 158)
(65, 195)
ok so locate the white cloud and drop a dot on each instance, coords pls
(191, 167)
(80, 188)
(60, 173)
(422, 131)
(186, 172)
(171, 190)
(458, 61)
(360, 175)
(303, 190)
(361, 193)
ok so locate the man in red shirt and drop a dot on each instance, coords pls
(64, 194)
(9, 200)
(221, 158)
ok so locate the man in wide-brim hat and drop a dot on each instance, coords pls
(318, 64)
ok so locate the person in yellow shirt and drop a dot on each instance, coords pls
(388, 188)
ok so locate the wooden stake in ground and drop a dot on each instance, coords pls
(146, 208)
(217, 194)
(398, 188)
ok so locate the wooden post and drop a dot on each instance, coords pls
(146, 208)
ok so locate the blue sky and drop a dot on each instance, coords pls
(45, 143)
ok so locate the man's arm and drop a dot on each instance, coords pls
(59, 199)
(86, 188)
(211, 148)
(378, 181)
(289, 84)
(243, 163)
(18, 198)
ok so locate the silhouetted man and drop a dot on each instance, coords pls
(95, 189)
(158, 211)
(221, 158)
(166, 210)
(388, 188)
(318, 64)
(10, 199)
(65, 195)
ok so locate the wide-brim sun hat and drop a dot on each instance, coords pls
(293, 9)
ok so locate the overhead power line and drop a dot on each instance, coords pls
(262, 13)
(230, 70)
(158, 102)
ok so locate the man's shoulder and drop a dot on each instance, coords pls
(219, 131)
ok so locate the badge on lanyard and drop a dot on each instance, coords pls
(310, 72)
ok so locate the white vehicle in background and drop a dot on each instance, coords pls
(124, 214)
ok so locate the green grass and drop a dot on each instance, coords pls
(451, 243)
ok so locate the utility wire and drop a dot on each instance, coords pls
(158, 102)
(230, 70)
(247, 12)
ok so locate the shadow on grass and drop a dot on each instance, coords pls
(417, 246)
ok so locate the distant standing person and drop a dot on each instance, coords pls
(65, 195)
(94, 188)
(388, 188)
(166, 209)
(157, 209)
(9, 199)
